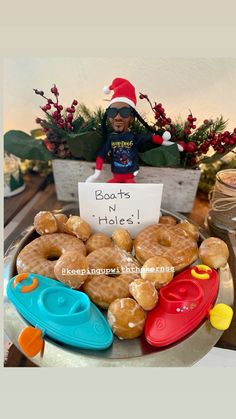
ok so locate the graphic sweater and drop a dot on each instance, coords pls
(123, 149)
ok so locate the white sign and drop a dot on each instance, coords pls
(107, 206)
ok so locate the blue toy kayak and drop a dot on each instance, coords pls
(59, 312)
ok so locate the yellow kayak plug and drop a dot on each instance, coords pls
(198, 275)
(221, 316)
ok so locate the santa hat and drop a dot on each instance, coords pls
(124, 91)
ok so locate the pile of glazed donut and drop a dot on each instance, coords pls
(117, 273)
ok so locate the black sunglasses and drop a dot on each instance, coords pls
(124, 112)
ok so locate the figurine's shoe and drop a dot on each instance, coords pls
(183, 304)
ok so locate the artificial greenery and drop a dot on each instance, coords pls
(209, 171)
(75, 132)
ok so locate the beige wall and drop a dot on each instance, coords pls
(206, 86)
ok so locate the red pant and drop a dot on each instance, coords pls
(122, 178)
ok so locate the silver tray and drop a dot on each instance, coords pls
(122, 353)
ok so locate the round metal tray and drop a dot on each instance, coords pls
(122, 353)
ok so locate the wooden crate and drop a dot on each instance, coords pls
(179, 190)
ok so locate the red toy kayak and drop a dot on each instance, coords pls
(182, 305)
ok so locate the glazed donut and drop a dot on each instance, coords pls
(214, 252)
(103, 288)
(190, 228)
(45, 223)
(157, 270)
(71, 269)
(123, 239)
(144, 292)
(35, 256)
(168, 241)
(61, 222)
(78, 227)
(167, 219)
(126, 318)
(96, 241)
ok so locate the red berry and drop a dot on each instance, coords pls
(54, 90)
(38, 120)
(194, 126)
(69, 117)
(206, 122)
(194, 119)
(70, 110)
(50, 101)
(191, 147)
(142, 96)
(75, 102)
(192, 161)
(187, 131)
(55, 114)
(235, 130)
(169, 120)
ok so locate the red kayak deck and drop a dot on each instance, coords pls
(182, 306)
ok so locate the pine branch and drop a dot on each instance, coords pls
(219, 125)
(85, 112)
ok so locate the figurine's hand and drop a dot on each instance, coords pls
(136, 172)
(93, 177)
(166, 136)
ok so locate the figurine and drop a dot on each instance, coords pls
(123, 144)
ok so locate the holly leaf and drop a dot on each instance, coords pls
(25, 146)
(163, 156)
(85, 145)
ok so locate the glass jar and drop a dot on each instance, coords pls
(222, 212)
(221, 219)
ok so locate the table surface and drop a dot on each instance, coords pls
(13, 204)
(42, 198)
